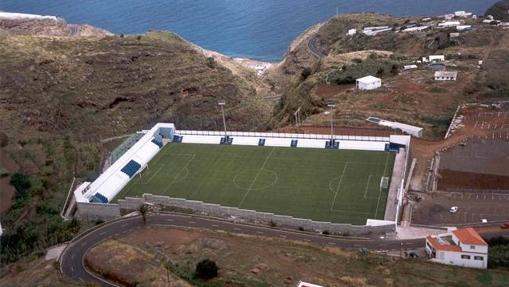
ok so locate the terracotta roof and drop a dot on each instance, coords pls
(442, 247)
(469, 236)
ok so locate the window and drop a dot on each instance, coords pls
(465, 256)
(472, 246)
(479, 258)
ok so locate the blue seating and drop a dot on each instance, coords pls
(393, 147)
(332, 144)
(158, 143)
(261, 142)
(99, 198)
(131, 168)
(177, 139)
(294, 143)
(226, 140)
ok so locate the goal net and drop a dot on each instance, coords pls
(384, 183)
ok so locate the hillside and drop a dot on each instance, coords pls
(62, 97)
(245, 261)
(323, 64)
(499, 11)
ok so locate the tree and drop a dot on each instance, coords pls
(206, 269)
(21, 182)
(143, 209)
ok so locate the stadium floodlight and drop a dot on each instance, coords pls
(222, 104)
(331, 106)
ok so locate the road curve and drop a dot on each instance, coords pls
(73, 257)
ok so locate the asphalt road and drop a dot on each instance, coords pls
(72, 259)
(315, 47)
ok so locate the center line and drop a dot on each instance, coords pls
(256, 177)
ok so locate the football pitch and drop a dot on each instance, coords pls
(341, 186)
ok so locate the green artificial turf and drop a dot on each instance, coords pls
(340, 186)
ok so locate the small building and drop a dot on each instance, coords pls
(409, 67)
(368, 83)
(408, 129)
(305, 284)
(416, 29)
(436, 58)
(446, 75)
(433, 59)
(463, 14)
(463, 27)
(462, 247)
(448, 24)
(351, 32)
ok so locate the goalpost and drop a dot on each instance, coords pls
(384, 183)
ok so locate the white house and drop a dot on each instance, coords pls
(463, 14)
(433, 59)
(448, 24)
(352, 32)
(463, 27)
(305, 284)
(368, 83)
(462, 247)
(446, 75)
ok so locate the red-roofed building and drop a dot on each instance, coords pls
(461, 247)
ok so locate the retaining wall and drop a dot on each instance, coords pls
(251, 216)
(97, 211)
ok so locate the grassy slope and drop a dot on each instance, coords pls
(60, 96)
(247, 261)
(298, 182)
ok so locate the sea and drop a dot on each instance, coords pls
(255, 29)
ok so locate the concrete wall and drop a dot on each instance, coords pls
(97, 211)
(251, 216)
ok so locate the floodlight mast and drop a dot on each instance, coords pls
(331, 106)
(222, 104)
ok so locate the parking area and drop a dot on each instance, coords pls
(473, 207)
(472, 174)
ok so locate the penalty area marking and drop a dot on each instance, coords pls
(178, 173)
(380, 192)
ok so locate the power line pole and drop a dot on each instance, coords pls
(221, 104)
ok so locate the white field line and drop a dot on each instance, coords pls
(152, 176)
(339, 184)
(367, 186)
(176, 175)
(380, 192)
(256, 177)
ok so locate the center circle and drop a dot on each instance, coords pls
(255, 179)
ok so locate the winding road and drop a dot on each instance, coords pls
(72, 258)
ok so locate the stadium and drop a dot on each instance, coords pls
(317, 178)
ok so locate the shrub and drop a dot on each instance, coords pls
(206, 269)
(305, 73)
(211, 63)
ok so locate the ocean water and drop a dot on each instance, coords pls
(256, 29)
